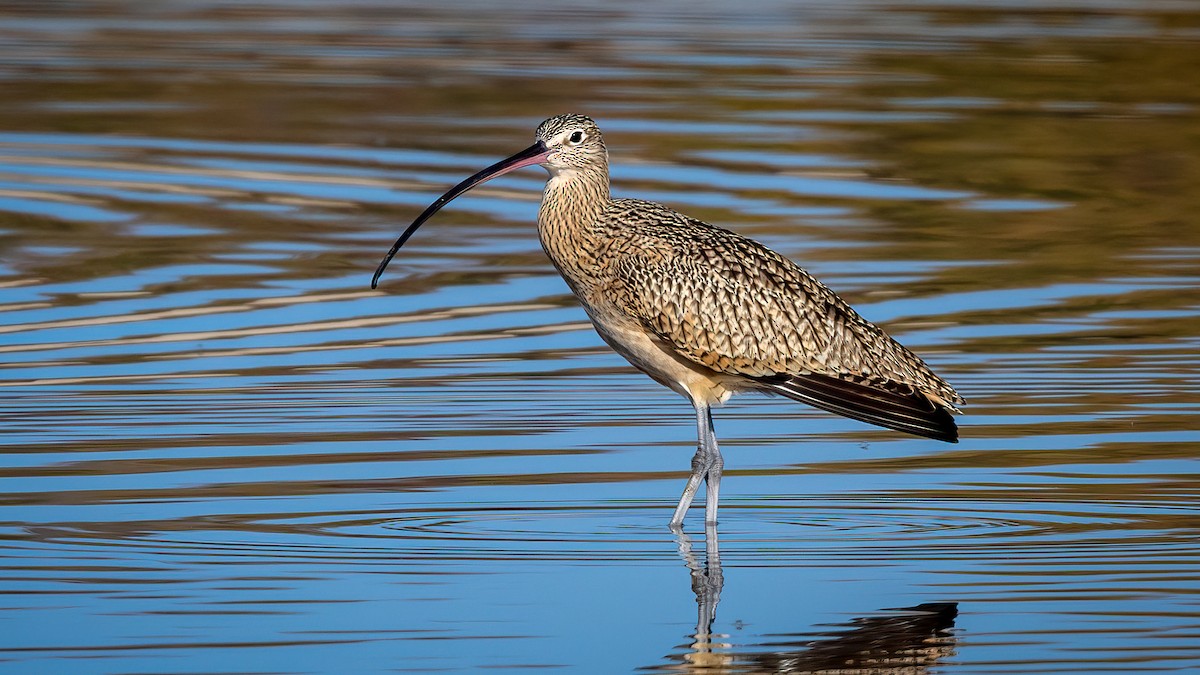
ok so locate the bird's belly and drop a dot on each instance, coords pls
(658, 360)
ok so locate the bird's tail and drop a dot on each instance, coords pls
(910, 412)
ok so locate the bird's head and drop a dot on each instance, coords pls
(573, 141)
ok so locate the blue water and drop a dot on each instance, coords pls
(221, 451)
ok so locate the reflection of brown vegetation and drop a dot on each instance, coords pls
(1104, 127)
(295, 488)
(127, 467)
(1124, 166)
(1071, 120)
(1060, 506)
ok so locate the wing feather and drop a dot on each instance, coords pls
(732, 305)
(912, 414)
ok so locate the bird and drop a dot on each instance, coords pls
(708, 312)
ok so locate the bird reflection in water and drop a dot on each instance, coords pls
(902, 641)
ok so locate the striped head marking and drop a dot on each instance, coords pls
(574, 142)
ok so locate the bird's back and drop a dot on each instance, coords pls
(734, 306)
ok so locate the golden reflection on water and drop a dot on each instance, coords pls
(206, 413)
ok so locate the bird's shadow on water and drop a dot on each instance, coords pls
(900, 640)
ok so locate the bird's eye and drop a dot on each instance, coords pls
(575, 137)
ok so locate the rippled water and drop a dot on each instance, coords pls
(221, 452)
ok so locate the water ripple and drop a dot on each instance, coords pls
(219, 446)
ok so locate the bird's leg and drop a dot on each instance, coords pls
(700, 465)
(712, 476)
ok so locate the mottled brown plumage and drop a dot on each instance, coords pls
(709, 312)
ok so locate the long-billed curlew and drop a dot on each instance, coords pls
(708, 312)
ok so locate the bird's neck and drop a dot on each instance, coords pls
(571, 206)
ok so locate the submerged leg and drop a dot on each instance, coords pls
(706, 466)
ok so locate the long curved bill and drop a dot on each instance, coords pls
(534, 154)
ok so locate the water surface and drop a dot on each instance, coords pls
(222, 452)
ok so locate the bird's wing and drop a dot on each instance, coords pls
(732, 305)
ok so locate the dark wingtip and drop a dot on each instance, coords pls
(946, 428)
(949, 432)
(910, 413)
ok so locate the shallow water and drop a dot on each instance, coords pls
(222, 452)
